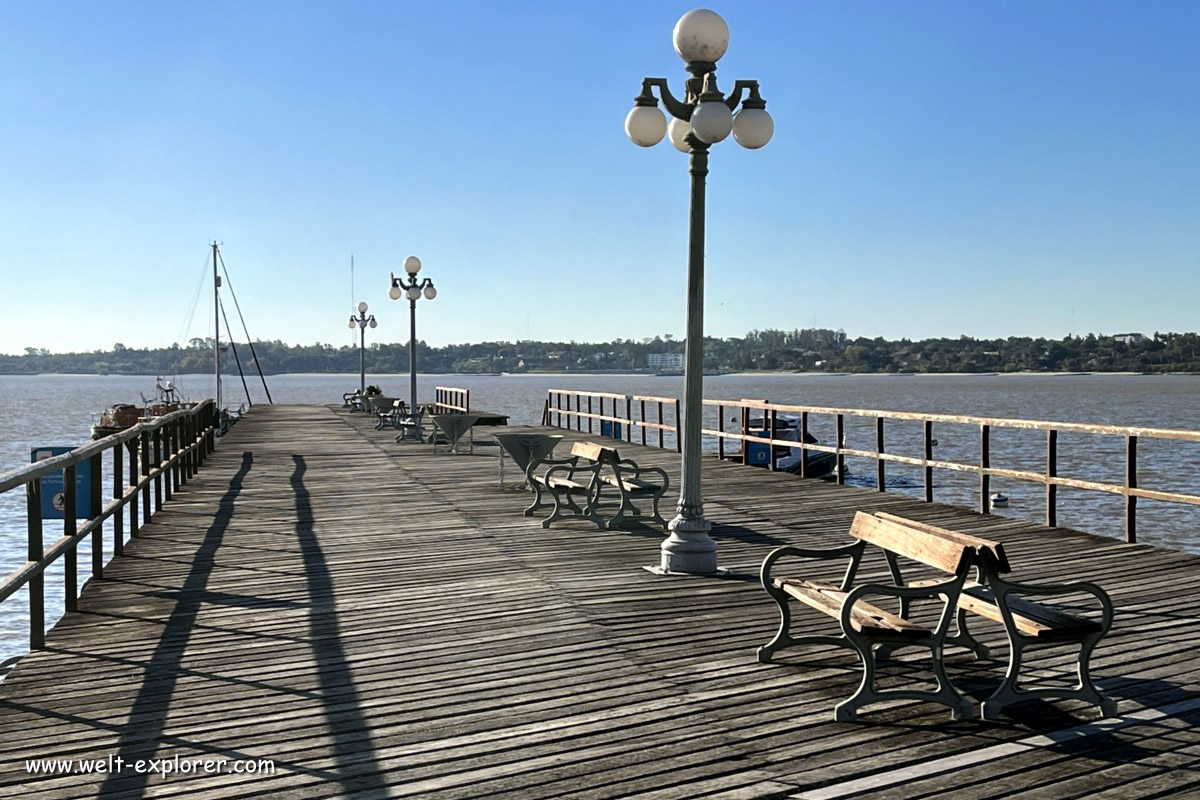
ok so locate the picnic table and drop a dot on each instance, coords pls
(453, 426)
(525, 448)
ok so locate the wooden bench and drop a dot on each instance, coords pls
(411, 426)
(565, 479)
(603, 468)
(389, 417)
(865, 627)
(1027, 624)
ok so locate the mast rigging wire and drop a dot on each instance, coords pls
(191, 314)
(233, 346)
(245, 330)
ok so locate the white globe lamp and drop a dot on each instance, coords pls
(701, 35)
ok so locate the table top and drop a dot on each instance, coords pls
(454, 425)
(527, 447)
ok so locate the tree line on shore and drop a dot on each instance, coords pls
(807, 350)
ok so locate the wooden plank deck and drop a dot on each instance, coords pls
(383, 622)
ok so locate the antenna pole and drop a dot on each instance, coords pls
(216, 326)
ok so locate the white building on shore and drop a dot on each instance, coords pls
(665, 362)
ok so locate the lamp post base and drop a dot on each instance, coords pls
(689, 549)
(720, 573)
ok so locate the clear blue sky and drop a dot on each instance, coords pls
(938, 168)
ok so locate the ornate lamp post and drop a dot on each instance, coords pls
(412, 289)
(362, 321)
(703, 118)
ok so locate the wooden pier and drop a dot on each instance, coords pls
(380, 621)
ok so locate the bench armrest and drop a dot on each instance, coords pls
(1001, 588)
(852, 551)
(566, 466)
(569, 471)
(629, 464)
(532, 467)
(949, 589)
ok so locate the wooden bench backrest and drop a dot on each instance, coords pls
(595, 452)
(996, 548)
(912, 542)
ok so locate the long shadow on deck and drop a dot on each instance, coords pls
(745, 535)
(140, 740)
(353, 750)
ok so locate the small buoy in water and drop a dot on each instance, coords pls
(999, 500)
(933, 443)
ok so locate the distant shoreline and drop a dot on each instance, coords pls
(811, 351)
(626, 374)
(1019, 373)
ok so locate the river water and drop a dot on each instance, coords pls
(48, 410)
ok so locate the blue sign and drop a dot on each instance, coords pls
(54, 497)
(758, 455)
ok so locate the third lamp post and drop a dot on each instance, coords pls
(702, 118)
(413, 290)
(362, 322)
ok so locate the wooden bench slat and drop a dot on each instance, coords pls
(1032, 618)
(828, 598)
(631, 484)
(593, 451)
(926, 547)
(560, 483)
(966, 539)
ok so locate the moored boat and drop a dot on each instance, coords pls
(116, 418)
(121, 416)
(787, 459)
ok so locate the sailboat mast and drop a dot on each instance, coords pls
(216, 326)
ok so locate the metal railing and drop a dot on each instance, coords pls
(163, 454)
(1128, 489)
(451, 400)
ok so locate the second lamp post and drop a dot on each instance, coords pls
(362, 322)
(412, 289)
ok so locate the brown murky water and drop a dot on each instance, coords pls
(58, 410)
